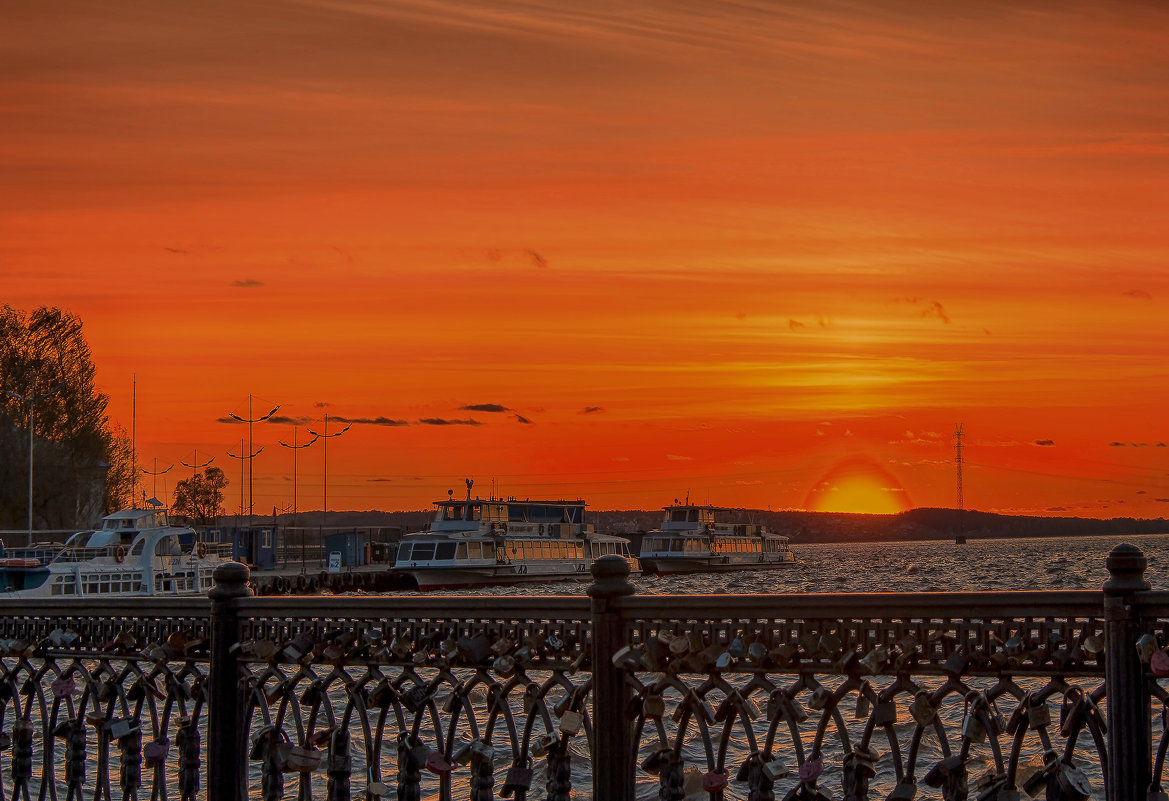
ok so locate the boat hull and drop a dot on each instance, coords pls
(664, 566)
(450, 578)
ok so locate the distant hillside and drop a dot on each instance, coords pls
(916, 524)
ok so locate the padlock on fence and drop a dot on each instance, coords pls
(571, 722)
(518, 779)
(713, 781)
(922, 709)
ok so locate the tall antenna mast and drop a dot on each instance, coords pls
(958, 460)
(134, 440)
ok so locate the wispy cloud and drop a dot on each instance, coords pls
(521, 419)
(175, 250)
(484, 407)
(1139, 294)
(591, 410)
(283, 419)
(440, 421)
(372, 421)
(537, 259)
(1044, 443)
(794, 325)
(247, 283)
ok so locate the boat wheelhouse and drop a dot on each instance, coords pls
(475, 542)
(135, 552)
(693, 540)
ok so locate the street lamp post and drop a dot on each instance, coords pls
(156, 473)
(31, 399)
(249, 420)
(325, 435)
(194, 465)
(241, 458)
(295, 448)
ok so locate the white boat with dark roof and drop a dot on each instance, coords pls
(476, 542)
(135, 552)
(692, 539)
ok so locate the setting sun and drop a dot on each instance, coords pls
(858, 485)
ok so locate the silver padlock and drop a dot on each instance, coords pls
(122, 727)
(542, 745)
(972, 728)
(775, 770)
(922, 710)
(571, 722)
(1146, 645)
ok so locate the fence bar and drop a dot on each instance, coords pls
(612, 739)
(226, 738)
(1129, 732)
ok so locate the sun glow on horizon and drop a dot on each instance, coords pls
(860, 486)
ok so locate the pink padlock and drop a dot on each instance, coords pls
(811, 769)
(63, 688)
(1159, 663)
(436, 763)
(715, 780)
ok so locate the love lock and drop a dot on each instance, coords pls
(811, 769)
(864, 704)
(922, 710)
(531, 696)
(414, 699)
(1038, 715)
(543, 745)
(885, 713)
(1146, 646)
(653, 763)
(504, 666)
(436, 764)
(904, 790)
(820, 698)
(943, 770)
(875, 659)
(1159, 663)
(1071, 711)
(64, 687)
(713, 781)
(518, 779)
(972, 728)
(473, 650)
(571, 722)
(654, 706)
(1072, 784)
(775, 770)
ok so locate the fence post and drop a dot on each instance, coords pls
(1129, 732)
(612, 732)
(226, 740)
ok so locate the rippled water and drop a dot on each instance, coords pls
(1075, 563)
(937, 566)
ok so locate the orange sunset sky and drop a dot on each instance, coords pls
(766, 254)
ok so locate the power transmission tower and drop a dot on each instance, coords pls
(958, 460)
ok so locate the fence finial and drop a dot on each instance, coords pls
(610, 577)
(1126, 570)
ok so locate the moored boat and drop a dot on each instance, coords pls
(135, 552)
(476, 542)
(693, 540)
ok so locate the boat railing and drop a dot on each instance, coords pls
(616, 695)
(80, 553)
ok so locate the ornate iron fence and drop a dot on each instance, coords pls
(948, 695)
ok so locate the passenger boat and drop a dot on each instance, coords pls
(476, 542)
(135, 552)
(692, 540)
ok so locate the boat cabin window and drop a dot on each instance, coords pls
(705, 515)
(459, 511)
(444, 550)
(422, 551)
(136, 548)
(677, 515)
